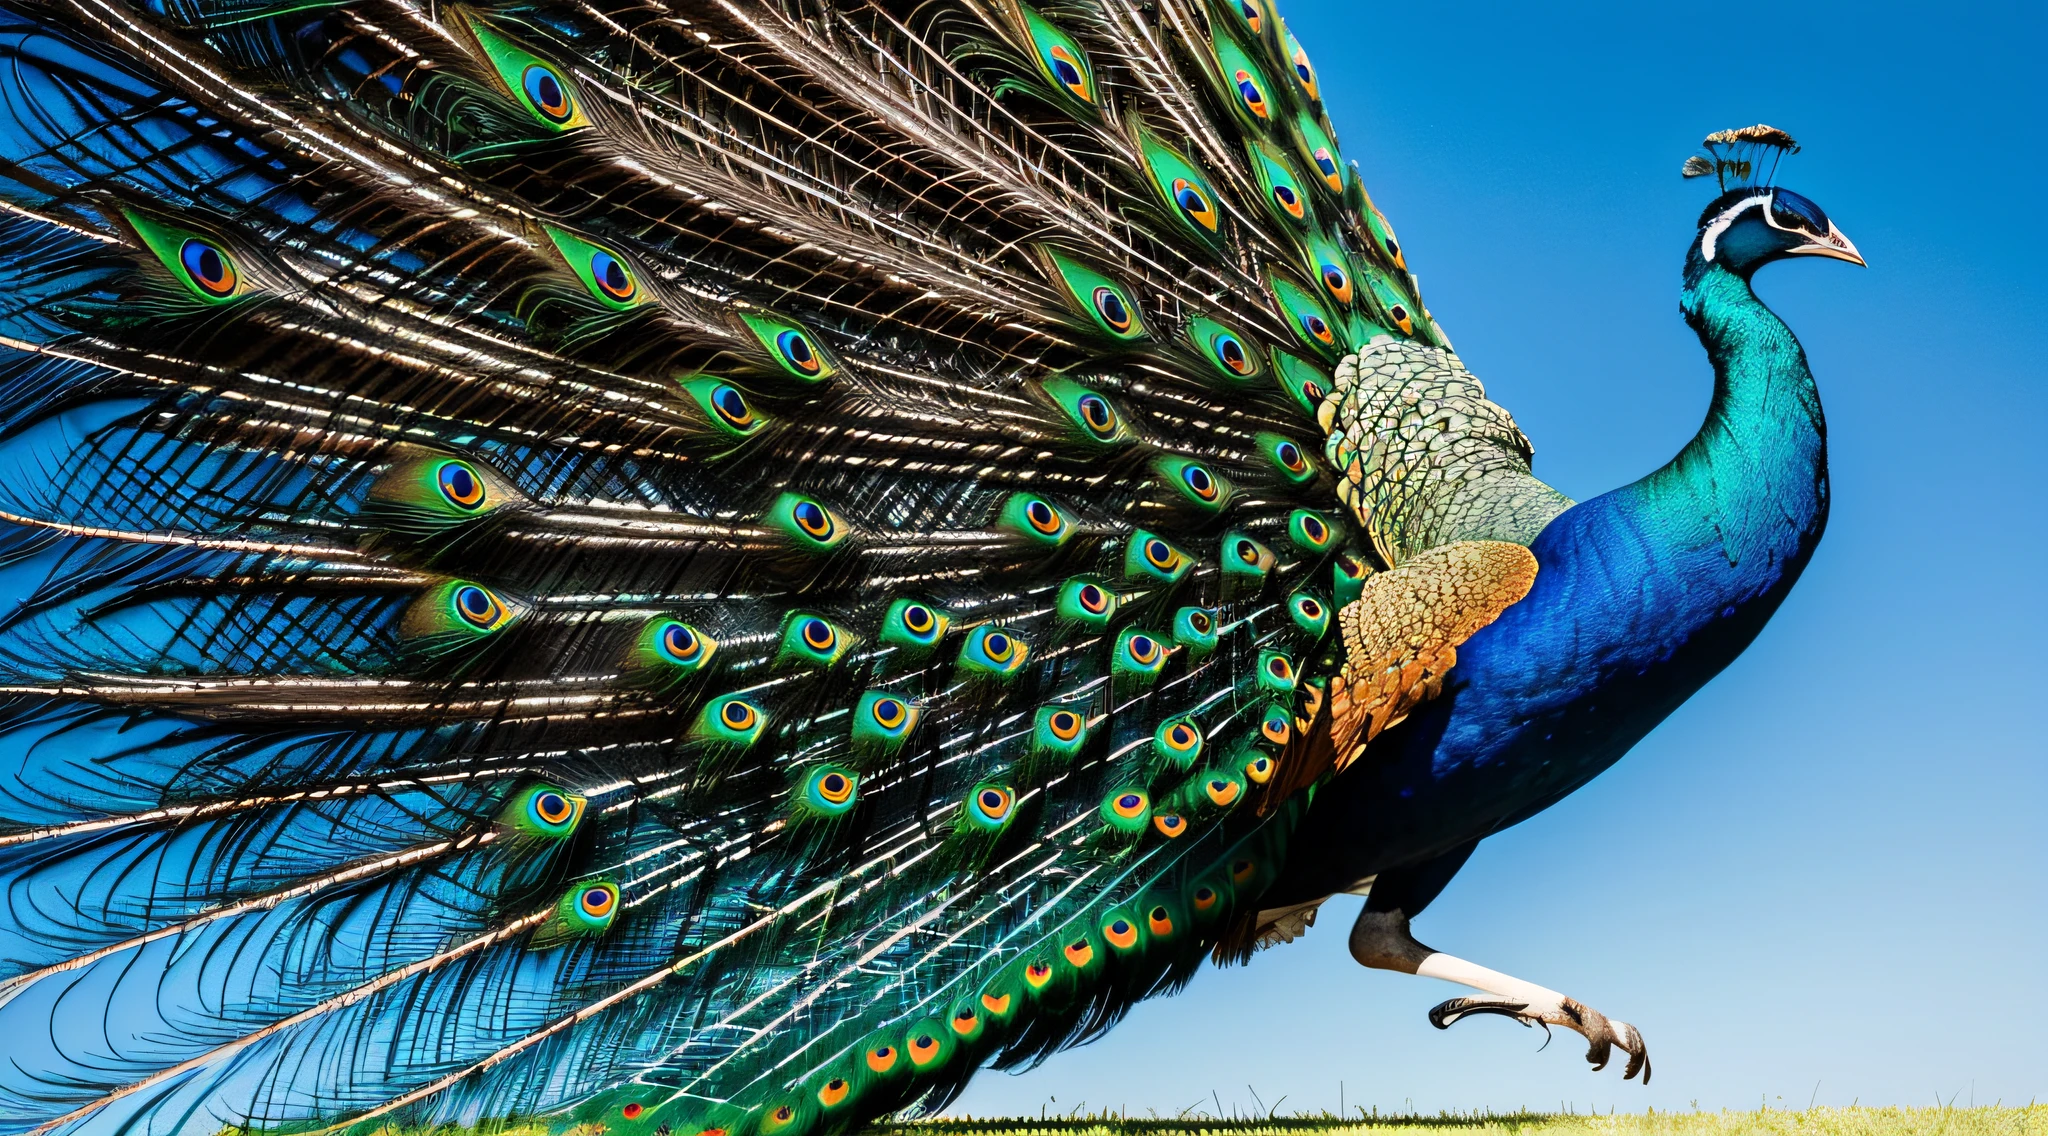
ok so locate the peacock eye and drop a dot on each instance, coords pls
(1231, 353)
(460, 486)
(549, 96)
(796, 350)
(1289, 200)
(209, 268)
(1194, 203)
(1248, 90)
(478, 607)
(1250, 10)
(612, 277)
(1113, 310)
(1337, 282)
(1069, 71)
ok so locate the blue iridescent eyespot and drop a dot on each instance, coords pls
(1194, 203)
(1248, 91)
(1230, 352)
(680, 642)
(479, 608)
(612, 278)
(459, 485)
(1068, 69)
(209, 268)
(993, 651)
(546, 92)
(1336, 281)
(796, 350)
(1285, 197)
(1114, 312)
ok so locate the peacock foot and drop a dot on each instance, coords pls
(1603, 1034)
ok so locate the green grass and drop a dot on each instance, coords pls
(1990, 1121)
(2031, 1120)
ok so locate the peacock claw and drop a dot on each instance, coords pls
(1603, 1034)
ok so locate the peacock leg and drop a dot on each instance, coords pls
(1381, 940)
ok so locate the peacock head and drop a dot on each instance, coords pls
(1754, 222)
(1749, 227)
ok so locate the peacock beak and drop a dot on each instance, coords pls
(1835, 245)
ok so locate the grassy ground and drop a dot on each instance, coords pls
(1990, 1121)
(2030, 1121)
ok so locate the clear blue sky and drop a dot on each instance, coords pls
(1825, 877)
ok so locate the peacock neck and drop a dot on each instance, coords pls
(1757, 469)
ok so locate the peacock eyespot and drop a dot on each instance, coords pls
(1319, 330)
(597, 902)
(812, 518)
(737, 715)
(479, 608)
(1249, 9)
(1043, 517)
(210, 269)
(1169, 825)
(1289, 201)
(993, 804)
(1097, 415)
(1079, 953)
(1259, 769)
(1122, 934)
(1290, 457)
(552, 808)
(1194, 204)
(1205, 898)
(1337, 282)
(1038, 973)
(1304, 72)
(784, 1114)
(835, 788)
(1231, 353)
(1093, 599)
(834, 1092)
(1201, 622)
(632, 1111)
(796, 350)
(1327, 164)
(1242, 871)
(546, 92)
(1064, 724)
(1199, 481)
(460, 486)
(918, 618)
(1352, 569)
(1181, 737)
(1069, 71)
(1221, 790)
(1161, 555)
(612, 277)
(1310, 608)
(1128, 805)
(1159, 921)
(998, 645)
(1144, 650)
(1113, 310)
(731, 407)
(1315, 529)
(1402, 319)
(1280, 668)
(1248, 92)
(889, 713)
(1247, 552)
(680, 642)
(965, 1021)
(1276, 730)
(818, 635)
(882, 1058)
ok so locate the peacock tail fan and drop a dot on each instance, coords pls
(690, 569)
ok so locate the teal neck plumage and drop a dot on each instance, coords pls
(1758, 463)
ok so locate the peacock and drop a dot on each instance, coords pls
(713, 569)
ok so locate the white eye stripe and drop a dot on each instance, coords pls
(1720, 224)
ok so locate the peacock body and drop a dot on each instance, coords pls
(716, 569)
